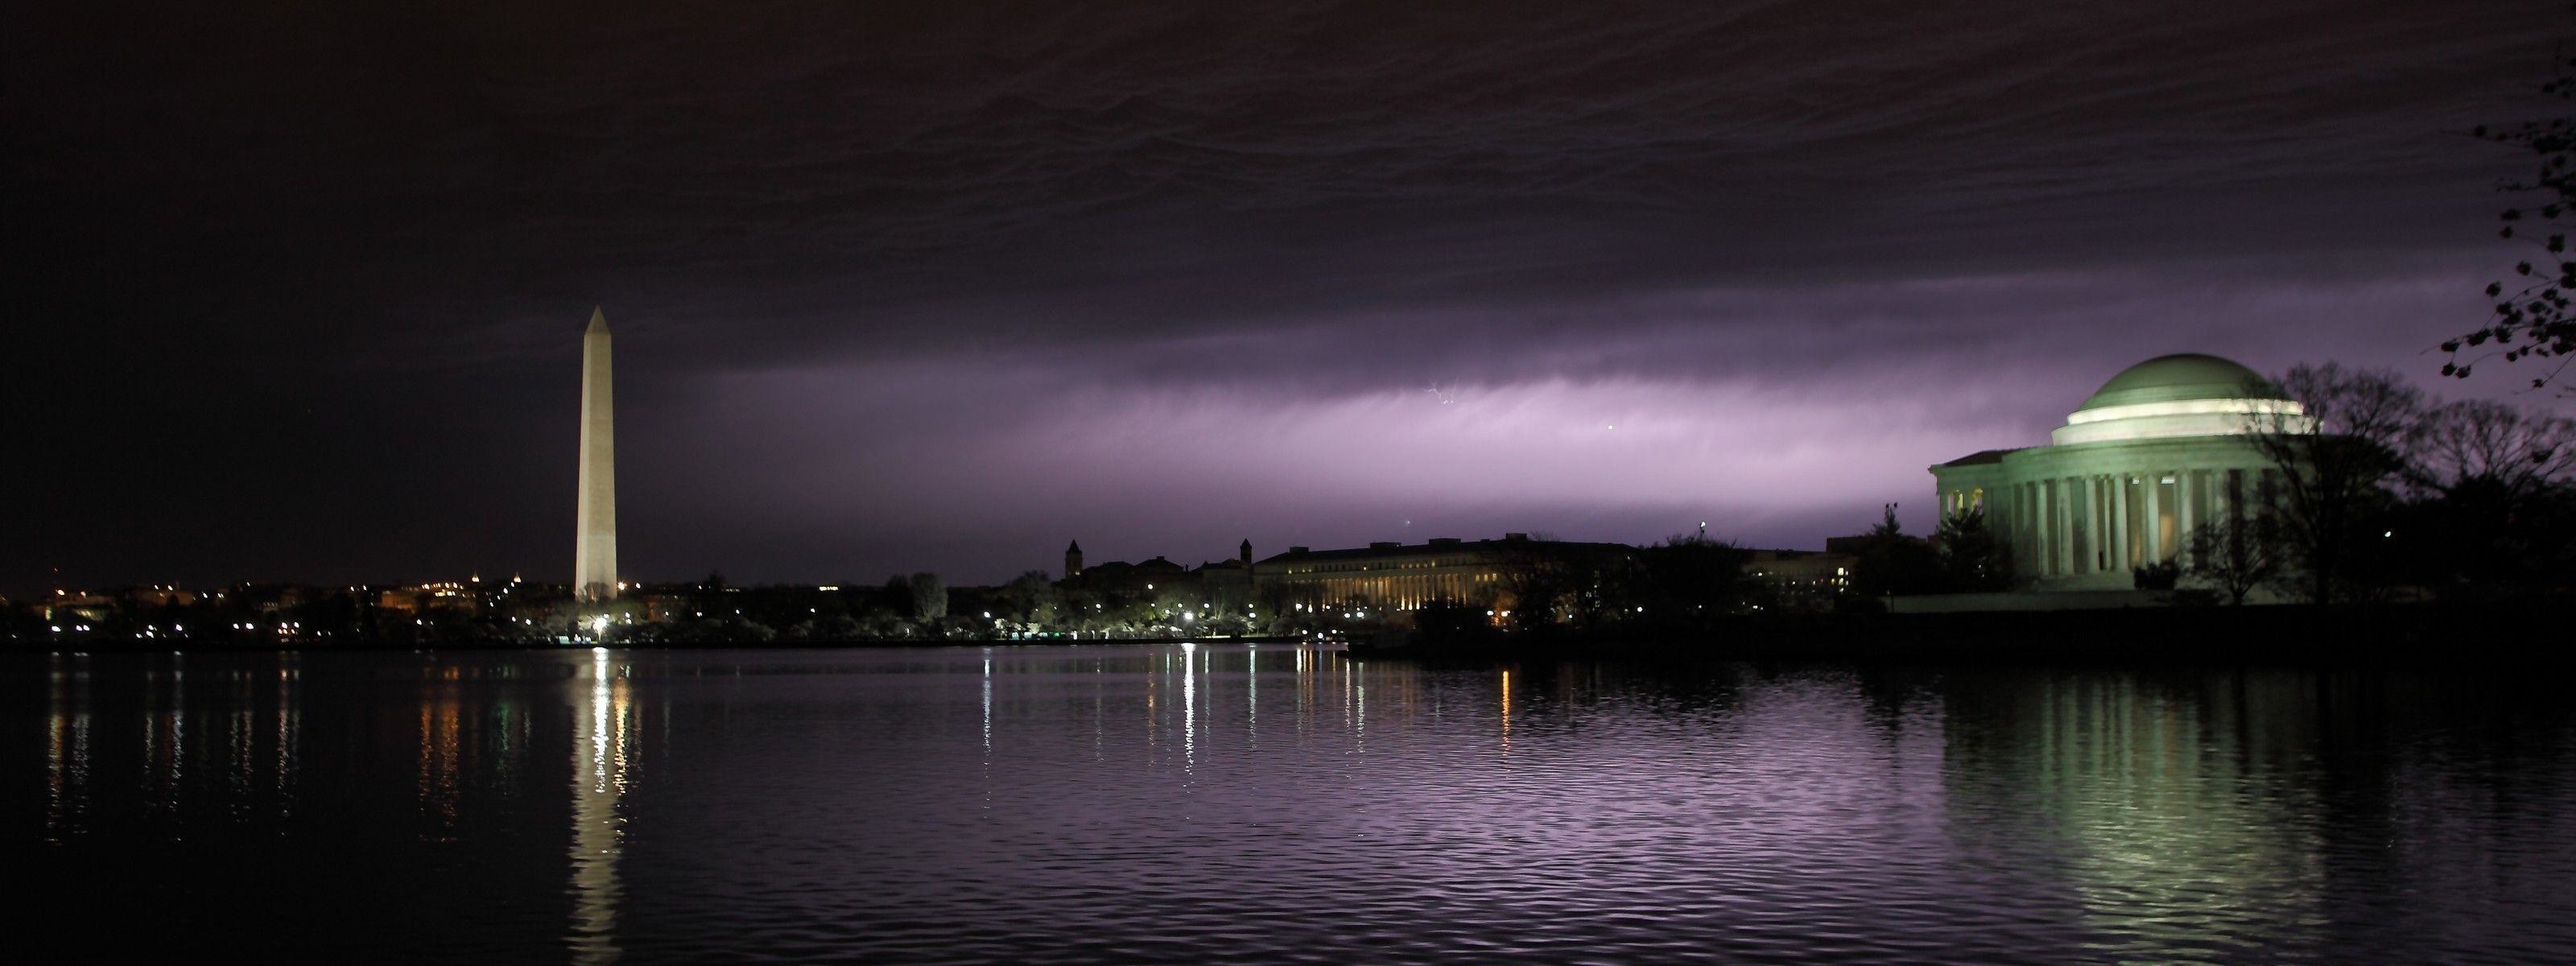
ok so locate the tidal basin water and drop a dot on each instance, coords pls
(1232, 803)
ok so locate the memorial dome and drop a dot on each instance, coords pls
(2187, 375)
(2188, 394)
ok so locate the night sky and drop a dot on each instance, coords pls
(297, 290)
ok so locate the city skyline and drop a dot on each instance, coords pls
(1603, 278)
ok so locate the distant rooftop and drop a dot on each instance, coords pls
(1434, 545)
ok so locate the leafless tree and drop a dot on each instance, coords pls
(1537, 583)
(2477, 441)
(2236, 555)
(2493, 516)
(2336, 460)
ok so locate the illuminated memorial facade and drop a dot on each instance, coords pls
(2160, 450)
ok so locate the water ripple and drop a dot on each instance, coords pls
(1144, 804)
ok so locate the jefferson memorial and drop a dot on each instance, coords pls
(2160, 450)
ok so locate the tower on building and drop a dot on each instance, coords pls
(1073, 560)
(594, 568)
(1244, 552)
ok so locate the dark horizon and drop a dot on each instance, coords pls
(301, 290)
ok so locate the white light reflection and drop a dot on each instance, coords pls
(1189, 707)
(598, 786)
(1305, 688)
(1359, 702)
(174, 723)
(288, 725)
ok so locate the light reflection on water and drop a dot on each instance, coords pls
(598, 786)
(1243, 803)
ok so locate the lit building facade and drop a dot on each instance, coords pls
(2159, 451)
(1399, 576)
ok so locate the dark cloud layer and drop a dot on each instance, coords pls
(938, 285)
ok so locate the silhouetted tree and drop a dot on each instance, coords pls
(1970, 554)
(2494, 510)
(929, 598)
(2478, 442)
(2534, 315)
(1030, 599)
(2235, 556)
(1538, 584)
(2335, 468)
(1890, 562)
(1685, 578)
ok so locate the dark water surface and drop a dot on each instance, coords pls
(1226, 803)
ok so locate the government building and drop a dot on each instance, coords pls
(1398, 576)
(2160, 450)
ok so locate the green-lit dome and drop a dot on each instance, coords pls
(2188, 375)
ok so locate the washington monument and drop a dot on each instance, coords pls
(594, 567)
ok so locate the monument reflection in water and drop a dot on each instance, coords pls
(1219, 801)
(600, 713)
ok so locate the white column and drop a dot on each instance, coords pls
(2122, 538)
(2152, 518)
(2092, 526)
(2039, 525)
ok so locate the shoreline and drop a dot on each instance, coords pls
(843, 644)
(2302, 635)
